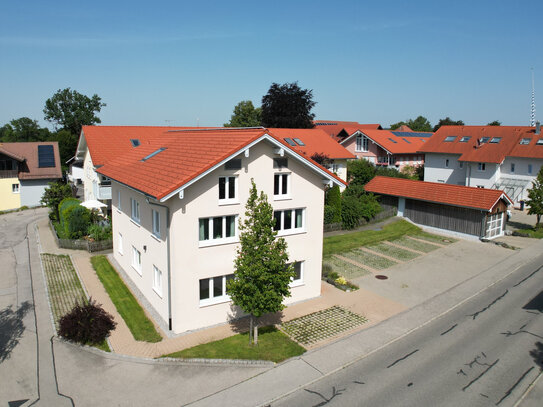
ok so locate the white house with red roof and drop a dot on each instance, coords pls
(177, 199)
(497, 157)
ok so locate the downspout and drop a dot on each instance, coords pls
(169, 262)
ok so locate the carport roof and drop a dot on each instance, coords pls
(455, 195)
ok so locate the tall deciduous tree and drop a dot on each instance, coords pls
(262, 273)
(22, 130)
(288, 106)
(447, 121)
(495, 123)
(535, 197)
(245, 115)
(71, 110)
(421, 123)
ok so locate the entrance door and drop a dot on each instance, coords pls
(494, 225)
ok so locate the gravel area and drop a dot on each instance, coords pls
(413, 244)
(372, 260)
(345, 269)
(392, 251)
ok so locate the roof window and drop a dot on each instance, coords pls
(406, 140)
(465, 139)
(153, 153)
(449, 139)
(423, 140)
(289, 141)
(525, 141)
(484, 139)
(300, 142)
(495, 140)
(394, 141)
(539, 142)
(135, 142)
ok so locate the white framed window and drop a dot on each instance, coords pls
(481, 186)
(481, 166)
(119, 206)
(228, 187)
(213, 290)
(135, 213)
(494, 225)
(281, 185)
(298, 279)
(512, 167)
(530, 169)
(289, 221)
(217, 230)
(156, 223)
(15, 188)
(120, 244)
(157, 280)
(136, 260)
(362, 143)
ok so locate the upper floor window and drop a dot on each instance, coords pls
(136, 260)
(135, 214)
(156, 223)
(281, 185)
(227, 189)
(362, 143)
(481, 166)
(447, 163)
(529, 168)
(460, 164)
(289, 221)
(119, 207)
(512, 167)
(217, 230)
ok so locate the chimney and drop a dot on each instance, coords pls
(537, 128)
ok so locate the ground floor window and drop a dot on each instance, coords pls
(213, 290)
(494, 225)
(136, 260)
(15, 188)
(299, 271)
(157, 280)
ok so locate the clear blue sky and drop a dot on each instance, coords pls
(157, 62)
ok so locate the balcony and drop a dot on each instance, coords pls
(104, 192)
(9, 173)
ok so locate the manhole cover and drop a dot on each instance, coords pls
(381, 277)
(446, 241)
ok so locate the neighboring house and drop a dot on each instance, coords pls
(177, 202)
(25, 171)
(466, 211)
(315, 141)
(75, 171)
(385, 147)
(496, 157)
(333, 128)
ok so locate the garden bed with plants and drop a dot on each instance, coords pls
(331, 269)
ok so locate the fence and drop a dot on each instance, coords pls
(81, 244)
(385, 213)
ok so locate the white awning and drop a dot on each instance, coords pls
(93, 204)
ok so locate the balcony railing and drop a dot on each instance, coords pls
(104, 192)
(9, 173)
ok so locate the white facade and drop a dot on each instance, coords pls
(96, 186)
(144, 256)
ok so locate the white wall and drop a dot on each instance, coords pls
(435, 169)
(89, 177)
(521, 172)
(485, 178)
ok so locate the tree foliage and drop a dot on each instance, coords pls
(22, 130)
(245, 115)
(288, 106)
(333, 199)
(53, 195)
(262, 273)
(495, 123)
(535, 198)
(421, 123)
(321, 158)
(71, 110)
(447, 121)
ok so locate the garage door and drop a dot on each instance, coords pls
(494, 225)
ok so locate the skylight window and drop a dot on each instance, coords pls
(135, 142)
(539, 142)
(394, 141)
(495, 140)
(449, 139)
(525, 141)
(406, 140)
(484, 139)
(290, 142)
(423, 140)
(465, 139)
(300, 142)
(153, 153)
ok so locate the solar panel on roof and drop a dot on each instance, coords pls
(411, 134)
(46, 156)
(289, 141)
(300, 142)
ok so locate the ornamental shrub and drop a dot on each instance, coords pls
(333, 199)
(77, 220)
(369, 206)
(329, 214)
(86, 323)
(98, 232)
(350, 212)
(63, 205)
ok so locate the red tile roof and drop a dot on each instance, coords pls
(27, 153)
(187, 154)
(488, 152)
(403, 127)
(456, 195)
(391, 142)
(333, 127)
(316, 141)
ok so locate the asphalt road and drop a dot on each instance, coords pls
(485, 352)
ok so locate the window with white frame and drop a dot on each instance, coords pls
(289, 221)
(120, 244)
(156, 223)
(213, 290)
(135, 214)
(362, 143)
(281, 185)
(299, 273)
(119, 206)
(217, 230)
(481, 166)
(136, 260)
(157, 280)
(227, 189)
(15, 188)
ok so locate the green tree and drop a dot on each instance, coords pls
(535, 197)
(447, 121)
(421, 123)
(245, 115)
(67, 144)
(360, 172)
(262, 273)
(397, 125)
(22, 130)
(53, 195)
(495, 123)
(333, 199)
(71, 110)
(288, 106)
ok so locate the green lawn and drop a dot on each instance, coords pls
(369, 259)
(536, 233)
(393, 251)
(272, 345)
(141, 327)
(435, 238)
(343, 243)
(414, 244)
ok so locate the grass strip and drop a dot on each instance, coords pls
(127, 306)
(348, 241)
(272, 345)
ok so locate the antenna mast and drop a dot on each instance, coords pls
(532, 112)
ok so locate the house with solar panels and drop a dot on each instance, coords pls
(387, 148)
(177, 200)
(25, 171)
(497, 157)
